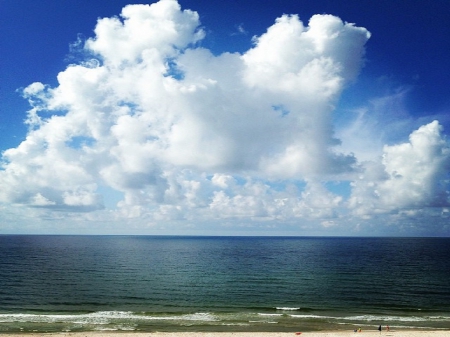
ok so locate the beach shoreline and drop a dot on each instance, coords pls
(336, 333)
(220, 286)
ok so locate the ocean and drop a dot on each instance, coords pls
(177, 283)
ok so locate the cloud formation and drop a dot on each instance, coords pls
(183, 134)
(411, 175)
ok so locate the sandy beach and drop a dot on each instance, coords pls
(368, 333)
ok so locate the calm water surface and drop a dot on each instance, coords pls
(148, 283)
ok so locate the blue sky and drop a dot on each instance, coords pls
(235, 118)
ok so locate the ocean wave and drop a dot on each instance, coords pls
(201, 316)
(312, 316)
(274, 315)
(371, 318)
(101, 317)
(376, 318)
(128, 320)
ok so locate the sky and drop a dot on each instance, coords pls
(195, 117)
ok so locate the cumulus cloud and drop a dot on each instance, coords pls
(411, 175)
(184, 134)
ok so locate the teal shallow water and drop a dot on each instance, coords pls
(147, 283)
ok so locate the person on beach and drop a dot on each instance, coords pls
(387, 328)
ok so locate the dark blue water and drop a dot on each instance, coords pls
(148, 283)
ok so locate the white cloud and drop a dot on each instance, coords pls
(154, 32)
(365, 130)
(411, 175)
(188, 136)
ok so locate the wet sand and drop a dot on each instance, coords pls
(367, 333)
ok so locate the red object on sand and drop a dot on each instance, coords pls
(298, 333)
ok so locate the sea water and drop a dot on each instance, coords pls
(156, 283)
